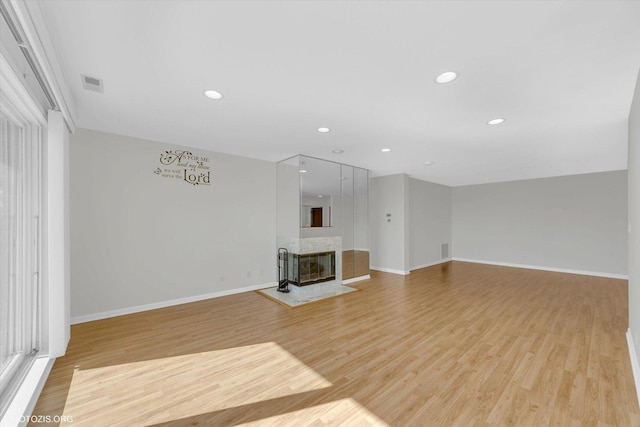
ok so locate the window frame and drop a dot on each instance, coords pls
(19, 107)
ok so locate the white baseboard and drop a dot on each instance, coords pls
(163, 304)
(430, 264)
(537, 267)
(635, 365)
(356, 279)
(390, 270)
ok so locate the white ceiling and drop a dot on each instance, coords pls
(562, 74)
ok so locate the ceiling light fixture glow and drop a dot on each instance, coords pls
(303, 171)
(337, 151)
(428, 163)
(213, 94)
(495, 121)
(447, 77)
(386, 150)
(323, 130)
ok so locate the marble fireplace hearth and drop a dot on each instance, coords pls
(306, 294)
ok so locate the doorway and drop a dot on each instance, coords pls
(316, 217)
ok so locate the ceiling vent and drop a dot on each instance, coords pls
(92, 83)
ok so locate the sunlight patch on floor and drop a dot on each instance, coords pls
(344, 412)
(171, 388)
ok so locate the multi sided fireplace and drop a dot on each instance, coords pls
(308, 269)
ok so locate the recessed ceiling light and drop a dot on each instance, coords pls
(447, 77)
(303, 171)
(213, 94)
(428, 163)
(386, 150)
(337, 151)
(319, 195)
(495, 121)
(323, 130)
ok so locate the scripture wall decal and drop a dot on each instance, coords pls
(185, 166)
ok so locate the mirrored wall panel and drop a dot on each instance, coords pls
(318, 198)
(288, 197)
(355, 222)
(361, 222)
(319, 193)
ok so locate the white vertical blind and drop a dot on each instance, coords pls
(19, 247)
(8, 237)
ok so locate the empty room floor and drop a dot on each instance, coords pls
(453, 344)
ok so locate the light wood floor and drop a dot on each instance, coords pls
(456, 344)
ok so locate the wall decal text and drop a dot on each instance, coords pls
(185, 166)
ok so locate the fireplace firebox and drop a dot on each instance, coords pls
(307, 269)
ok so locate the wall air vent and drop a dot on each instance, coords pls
(444, 250)
(92, 83)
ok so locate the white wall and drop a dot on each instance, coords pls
(57, 291)
(139, 239)
(388, 195)
(420, 222)
(574, 222)
(429, 221)
(634, 224)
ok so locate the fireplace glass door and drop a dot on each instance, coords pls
(308, 269)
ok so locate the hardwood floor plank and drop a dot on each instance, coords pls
(453, 344)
